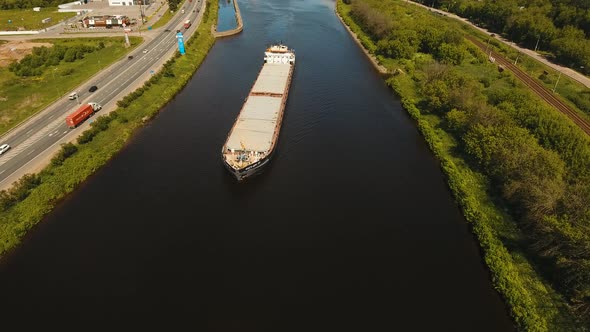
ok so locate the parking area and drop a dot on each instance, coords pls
(101, 7)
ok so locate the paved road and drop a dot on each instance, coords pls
(533, 54)
(49, 128)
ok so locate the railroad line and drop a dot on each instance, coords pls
(539, 89)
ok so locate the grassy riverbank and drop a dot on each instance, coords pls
(26, 203)
(471, 115)
(22, 96)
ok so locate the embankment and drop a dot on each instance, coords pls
(381, 69)
(530, 300)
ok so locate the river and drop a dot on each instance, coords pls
(351, 228)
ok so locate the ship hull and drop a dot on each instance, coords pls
(259, 90)
(246, 172)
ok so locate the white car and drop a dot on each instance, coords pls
(145, 51)
(4, 148)
(73, 96)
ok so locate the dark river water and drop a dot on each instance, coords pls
(226, 19)
(351, 228)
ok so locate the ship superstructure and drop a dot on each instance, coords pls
(254, 135)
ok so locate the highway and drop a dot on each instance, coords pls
(48, 128)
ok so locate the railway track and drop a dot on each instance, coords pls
(539, 89)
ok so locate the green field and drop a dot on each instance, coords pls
(21, 97)
(27, 19)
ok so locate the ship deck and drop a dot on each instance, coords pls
(256, 124)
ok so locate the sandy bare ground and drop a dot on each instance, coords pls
(15, 50)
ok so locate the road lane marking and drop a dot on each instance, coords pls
(31, 152)
(28, 162)
(166, 40)
(33, 139)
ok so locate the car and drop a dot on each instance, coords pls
(73, 95)
(145, 51)
(130, 57)
(4, 148)
(167, 30)
(93, 88)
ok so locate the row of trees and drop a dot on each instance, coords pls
(43, 57)
(561, 27)
(537, 160)
(399, 42)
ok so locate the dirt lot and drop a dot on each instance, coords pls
(16, 50)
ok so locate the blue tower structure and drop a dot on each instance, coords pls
(180, 39)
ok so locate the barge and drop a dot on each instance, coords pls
(254, 135)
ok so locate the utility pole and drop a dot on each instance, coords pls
(140, 17)
(537, 44)
(517, 55)
(555, 87)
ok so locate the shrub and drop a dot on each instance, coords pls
(67, 149)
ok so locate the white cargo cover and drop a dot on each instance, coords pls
(256, 124)
(272, 78)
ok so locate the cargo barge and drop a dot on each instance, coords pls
(254, 135)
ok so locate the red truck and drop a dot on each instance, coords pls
(81, 114)
(187, 24)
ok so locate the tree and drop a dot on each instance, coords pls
(70, 55)
(173, 5)
(450, 54)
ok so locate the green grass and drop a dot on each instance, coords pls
(59, 180)
(533, 304)
(165, 18)
(29, 19)
(162, 21)
(22, 97)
